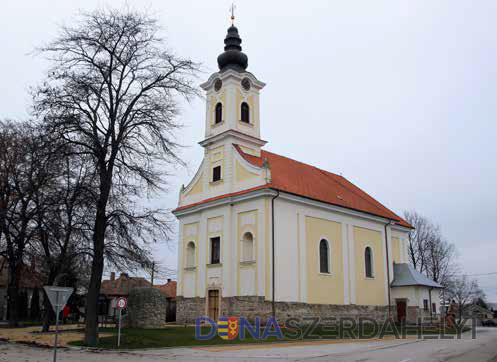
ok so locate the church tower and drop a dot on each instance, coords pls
(232, 124)
(232, 93)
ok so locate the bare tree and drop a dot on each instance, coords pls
(25, 168)
(158, 270)
(417, 239)
(428, 251)
(112, 92)
(463, 292)
(440, 259)
(62, 220)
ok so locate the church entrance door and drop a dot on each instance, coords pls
(213, 305)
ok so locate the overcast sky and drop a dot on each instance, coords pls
(399, 97)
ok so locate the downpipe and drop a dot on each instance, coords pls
(273, 304)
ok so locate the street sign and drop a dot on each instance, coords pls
(58, 297)
(121, 303)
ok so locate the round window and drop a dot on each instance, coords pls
(218, 84)
(246, 84)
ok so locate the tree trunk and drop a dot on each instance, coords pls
(13, 295)
(48, 315)
(12, 310)
(97, 267)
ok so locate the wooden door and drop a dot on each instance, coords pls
(401, 310)
(213, 305)
(170, 310)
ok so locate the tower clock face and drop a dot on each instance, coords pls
(246, 84)
(218, 84)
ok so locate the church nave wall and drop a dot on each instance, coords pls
(300, 226)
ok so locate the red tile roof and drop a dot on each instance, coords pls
(168, 289)
(122, 285)
(301, 179)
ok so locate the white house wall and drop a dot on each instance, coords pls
(415, 295)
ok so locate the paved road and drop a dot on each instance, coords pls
(484, 348)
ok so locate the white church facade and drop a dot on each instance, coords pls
(262, 234)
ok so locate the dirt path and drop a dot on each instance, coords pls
(27, 335)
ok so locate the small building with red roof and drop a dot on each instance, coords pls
(262, 234)
(169, 291)
(114, 288)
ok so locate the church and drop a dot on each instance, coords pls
(264, 235)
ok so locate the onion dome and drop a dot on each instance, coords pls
(233, 57)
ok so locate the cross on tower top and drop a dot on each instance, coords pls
(232, 11)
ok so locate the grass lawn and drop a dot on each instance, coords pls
(185, 336)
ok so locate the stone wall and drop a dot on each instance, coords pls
(250, 307)
(187, 309)
(414, 313)
(146, 308)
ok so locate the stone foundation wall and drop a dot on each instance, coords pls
(187, 309)
(250, 307)
(414, 312)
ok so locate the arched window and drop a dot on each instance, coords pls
(245, 112)
(324, 257)
(247, 247)
(190, 254)
(219, 113)
(368, 261)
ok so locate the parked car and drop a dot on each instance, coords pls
(489, 323)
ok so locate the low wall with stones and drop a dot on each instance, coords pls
(415, 314)
(250, 307)
(146, 308)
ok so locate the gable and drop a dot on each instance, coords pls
(242, 174)
(197, 187)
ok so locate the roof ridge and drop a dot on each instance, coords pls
(368, 198)
(327, 174)
(334, 177)
(300, 162)
(371, 200)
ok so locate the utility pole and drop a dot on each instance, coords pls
(152, 276)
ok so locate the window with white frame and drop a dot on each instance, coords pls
(324, 256)
(368, 262)
(215, 250)
(216, 173)
(245, 112)
(218, 113)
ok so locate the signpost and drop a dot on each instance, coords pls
(121, 303)
(58, 297)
